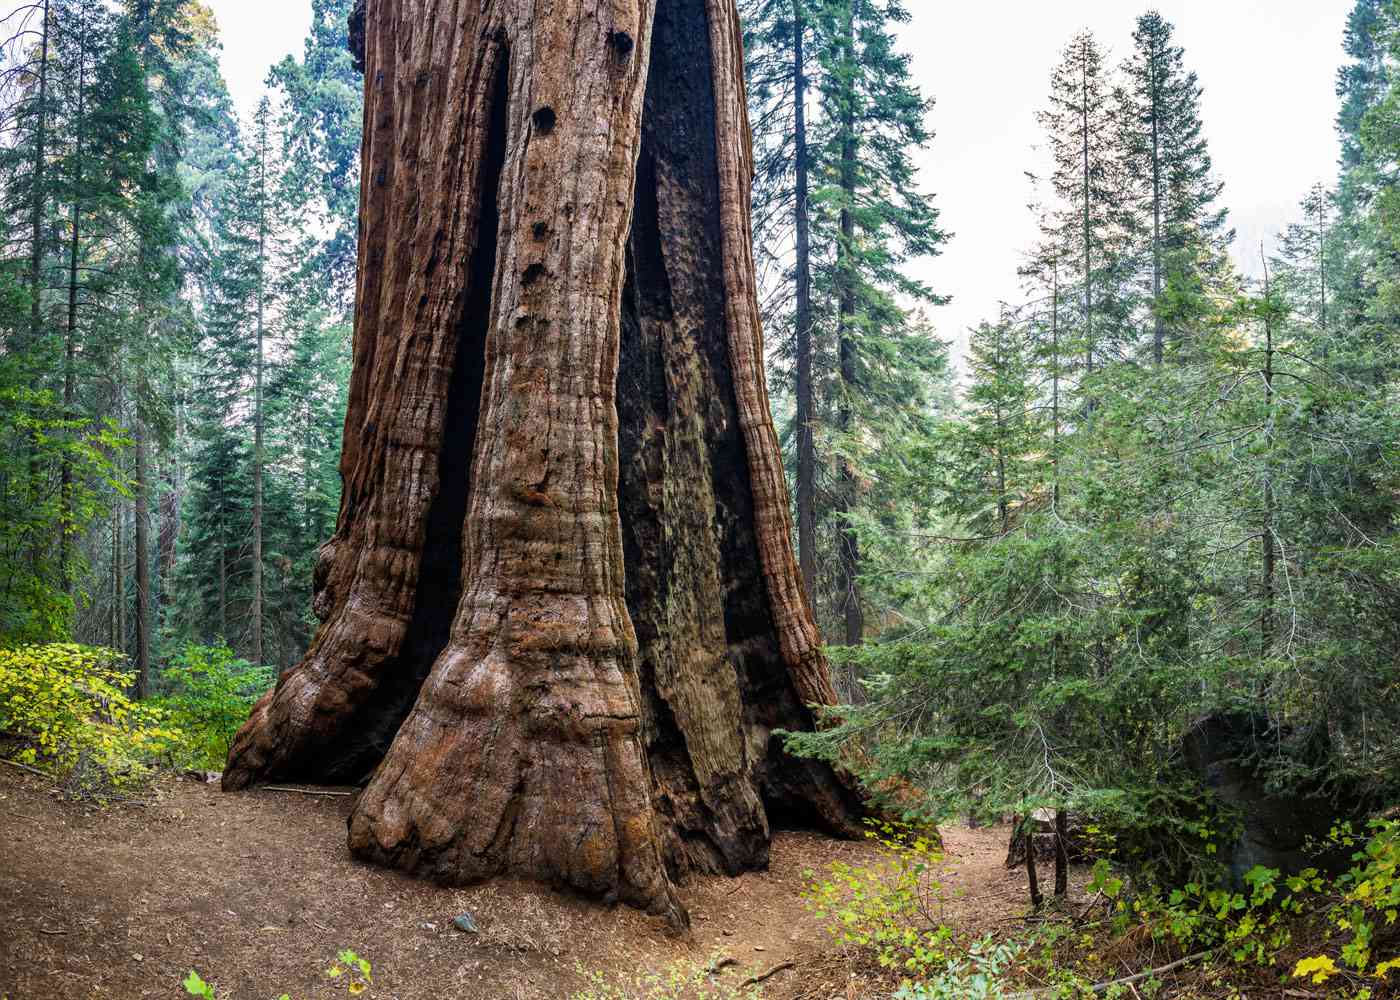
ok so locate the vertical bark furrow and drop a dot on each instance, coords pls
(523, 753)
(681, 453)
(412, 412)
(715, 677)
(796, 627)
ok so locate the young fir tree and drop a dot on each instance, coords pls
(1303, 269)
(1046, 277)
(1171, 213)
(999, 445)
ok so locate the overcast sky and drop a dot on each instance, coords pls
(1268, 68)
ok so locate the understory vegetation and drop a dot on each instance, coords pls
(66, 711)
(1206, 939)
(1138, 538)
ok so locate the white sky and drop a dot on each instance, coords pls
(1268, 68)
(256, 34)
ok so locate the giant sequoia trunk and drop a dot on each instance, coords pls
(561, 615)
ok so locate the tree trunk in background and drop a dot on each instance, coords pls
(119, 563)
(562, 644)
(805, 391)
(850, 543)
(1055, 379)
(256, 616)
(36, 222)
(1320, 195)
(1032, 876)
(115, 624)
(1267, 540)
(223, 587)
(36, 255)
(70, 335)
(143, 560)
(167, 542)
(1159, 329)
(1061, 853)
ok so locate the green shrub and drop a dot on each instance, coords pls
(1366, 903)
(64, 709)
(1259, 924)
(1252, 926)
(209, 693)
(889, 909)
(977, 975)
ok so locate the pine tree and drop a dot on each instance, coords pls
(261, 191)
(24, 164)
(872, 221)
(1087, 181)
(1362, 81)
(322, 120)
(1359, 261)
(1171, 192)
(25, 80)
(112, 200)
(838, 216)
(780, 36)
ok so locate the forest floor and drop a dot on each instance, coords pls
(257, 892)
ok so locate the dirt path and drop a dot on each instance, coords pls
(257, 892)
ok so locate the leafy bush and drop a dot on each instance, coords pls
(977, 975)
(1260, 923)
(64, 709)
(1252, 925)
(1365, 907)
(889, 909)
(682, 981)
(209, 693)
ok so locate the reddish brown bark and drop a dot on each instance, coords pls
(562, 586)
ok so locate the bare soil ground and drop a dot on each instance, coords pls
(257, 891)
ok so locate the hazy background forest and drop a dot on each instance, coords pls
(1156, 485)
